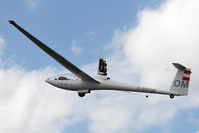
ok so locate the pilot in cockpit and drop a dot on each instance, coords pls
(61, 78)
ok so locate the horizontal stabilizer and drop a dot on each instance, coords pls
(179, 66)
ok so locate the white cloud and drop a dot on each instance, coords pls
(28, 104)
(75, 49)
(164, 35)
(115, 123)
(32, 4)
(2, 42)
(90, 33)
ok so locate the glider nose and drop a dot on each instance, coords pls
(52, 81)
(48, 80)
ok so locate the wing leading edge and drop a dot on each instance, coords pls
(68, 65)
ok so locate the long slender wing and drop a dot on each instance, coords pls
(68, 65)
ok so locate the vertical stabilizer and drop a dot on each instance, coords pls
(181, 81)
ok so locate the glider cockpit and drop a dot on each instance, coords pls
(63, 77)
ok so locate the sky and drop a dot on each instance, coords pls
(140, 39)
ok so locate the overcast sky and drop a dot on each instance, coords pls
(139, 39)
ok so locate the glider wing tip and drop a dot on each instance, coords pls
(11, 21)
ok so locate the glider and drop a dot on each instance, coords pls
(86, 83)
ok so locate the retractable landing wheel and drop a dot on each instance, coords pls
(171, 96)
(81, 94)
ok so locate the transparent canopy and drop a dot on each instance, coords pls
(64, 77)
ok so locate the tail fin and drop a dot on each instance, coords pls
(181, 81)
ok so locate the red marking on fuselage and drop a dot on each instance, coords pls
(186, 78)
(187, 72)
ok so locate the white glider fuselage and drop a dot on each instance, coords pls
(105, 84)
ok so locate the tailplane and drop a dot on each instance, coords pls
(181, 81)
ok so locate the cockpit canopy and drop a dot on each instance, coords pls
(64, 77)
